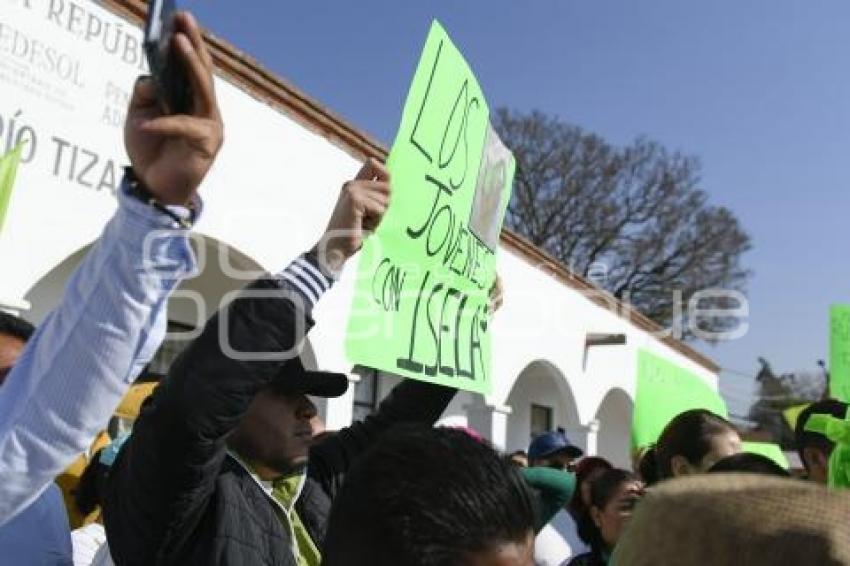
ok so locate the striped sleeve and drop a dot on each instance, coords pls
(306, 278)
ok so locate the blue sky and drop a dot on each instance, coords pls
(759, 90)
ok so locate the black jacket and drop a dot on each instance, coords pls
(176, 497)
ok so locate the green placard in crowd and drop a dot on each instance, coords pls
(664, 390)
(421, 306)
(768, 449)
(791, 414)
(839, 352)
(8, 170)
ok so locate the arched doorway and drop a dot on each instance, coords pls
(541, 399)
(46, 293)
(222, 270)
(614, 415)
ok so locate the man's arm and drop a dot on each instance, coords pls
(410, 402)
(165, 474)
(82, 359)
(554, 489)
(164, 478)
(79, 363)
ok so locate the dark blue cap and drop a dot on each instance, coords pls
(551, 443)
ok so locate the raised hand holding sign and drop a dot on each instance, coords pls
(422, 303)
(361, 205)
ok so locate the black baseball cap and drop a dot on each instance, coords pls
(294, 378)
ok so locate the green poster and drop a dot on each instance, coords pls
(8, 170)
(768, 449)
(421, 305)
(664, 390)
(839, 352)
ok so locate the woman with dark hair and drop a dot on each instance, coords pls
(690, 444)
(587, 469)
(613, 495)
(748, 463)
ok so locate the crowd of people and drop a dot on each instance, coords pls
(688, 468)
(225, 462)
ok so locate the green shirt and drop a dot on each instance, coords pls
(554, 489)
(285, 491)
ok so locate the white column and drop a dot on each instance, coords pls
(489, 420)
(339, 411)
(586, 437)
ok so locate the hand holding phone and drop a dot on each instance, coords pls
(172, 153)
(167, 68)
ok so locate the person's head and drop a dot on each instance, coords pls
(275, 435)
(426, 497)
(519, 458)
(613, 495)
(14, 333)
(815, 448)
(647, 467)
(553, 450)
(470, 432)
(737, 519)
(587, 469)
(747, 462)
(690, 444)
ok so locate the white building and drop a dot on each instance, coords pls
(266, 200)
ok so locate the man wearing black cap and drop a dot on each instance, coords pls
(216, 471)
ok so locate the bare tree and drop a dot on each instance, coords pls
(632, 219)
(779, 392)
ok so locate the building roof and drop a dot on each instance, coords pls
(248, 73)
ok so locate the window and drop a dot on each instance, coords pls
(541, 420)
(365, 393)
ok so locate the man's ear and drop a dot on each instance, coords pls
(680, 466)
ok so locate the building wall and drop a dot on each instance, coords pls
(267, 199)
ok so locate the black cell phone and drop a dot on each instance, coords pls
(166, 66)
